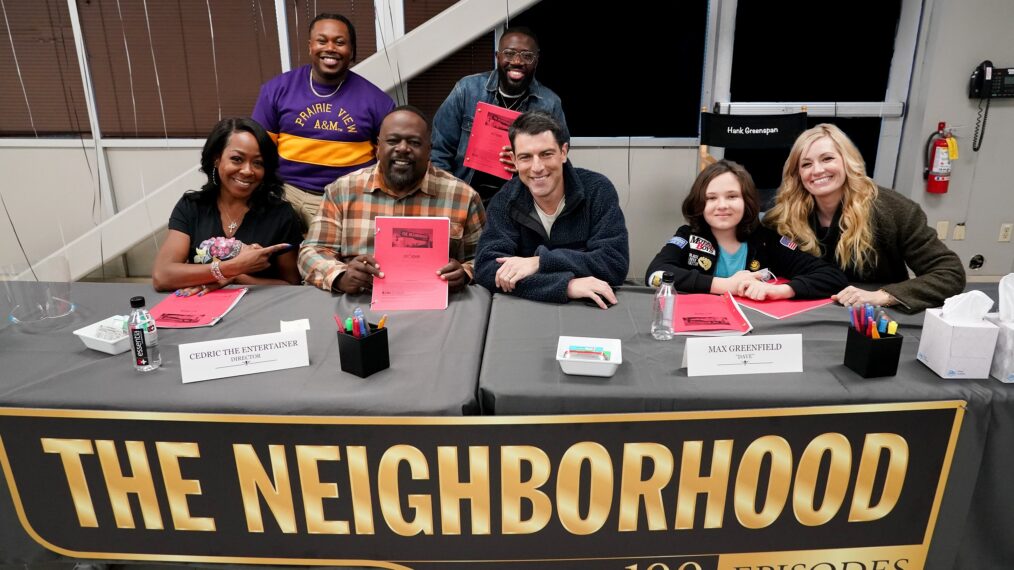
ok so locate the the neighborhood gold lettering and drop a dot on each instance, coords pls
(425, 492)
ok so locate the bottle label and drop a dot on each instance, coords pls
(151, 334)
(140, 348)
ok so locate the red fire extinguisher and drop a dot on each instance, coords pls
(939, 149)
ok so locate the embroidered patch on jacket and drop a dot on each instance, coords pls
(788, 243)
(754, 265)
(701, 244)
(677, 241)
(705, 263)
(692, 259)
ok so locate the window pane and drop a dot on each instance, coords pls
(813, 51)
(301, 12)
(41, 91)
(623, 72)
(429, 89)
(200, 61)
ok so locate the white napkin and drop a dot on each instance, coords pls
(296, 325)
(968, 307)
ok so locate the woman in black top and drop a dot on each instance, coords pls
(237, 228)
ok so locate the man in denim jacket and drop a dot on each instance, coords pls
(511, 85)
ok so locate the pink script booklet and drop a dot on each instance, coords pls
(703, 314)
(783, 308)
(191, 312)
(410, 251)
(489, 136)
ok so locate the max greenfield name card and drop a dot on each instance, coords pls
(762, 354)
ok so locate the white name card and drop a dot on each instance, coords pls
(718, 356)
(243, 355)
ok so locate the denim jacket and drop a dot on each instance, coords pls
(452, 125)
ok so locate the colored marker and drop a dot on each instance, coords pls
(364, 329)
(355, 328)
(383, 321)
(892, 328)
(338, 321)
(873, 332)
(348, 325)
(882, 324)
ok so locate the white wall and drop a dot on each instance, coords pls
(46, 188)
(954, 38)
(651, 192)
(138, 172)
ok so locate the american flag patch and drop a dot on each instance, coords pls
(678, 242)
(788, 243)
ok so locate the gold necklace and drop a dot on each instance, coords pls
(340, 83)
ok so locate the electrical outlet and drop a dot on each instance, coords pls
(1005, 231)
(959, 232)
(942, 227)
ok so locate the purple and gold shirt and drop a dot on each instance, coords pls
(322, 134)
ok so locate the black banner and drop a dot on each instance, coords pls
(690, 490)
(751, 131)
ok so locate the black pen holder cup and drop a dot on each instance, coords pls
(872, 357)
(364, 355)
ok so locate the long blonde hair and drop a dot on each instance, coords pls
(791, 214)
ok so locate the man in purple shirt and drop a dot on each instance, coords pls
(324, 117)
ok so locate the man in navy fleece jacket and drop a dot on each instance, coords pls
(554, 232)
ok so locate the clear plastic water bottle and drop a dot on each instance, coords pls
(143, 337)
(664, 308)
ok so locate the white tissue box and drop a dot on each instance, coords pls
(957, 350)
(1003, 357)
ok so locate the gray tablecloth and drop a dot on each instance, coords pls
(521, 376)
(434, 360)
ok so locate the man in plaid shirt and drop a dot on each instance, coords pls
(337, 254)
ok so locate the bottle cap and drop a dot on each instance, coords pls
(137, 302)
(668, 277)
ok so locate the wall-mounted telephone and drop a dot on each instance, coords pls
(986, 83)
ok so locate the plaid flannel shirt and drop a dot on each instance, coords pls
(344, 228)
